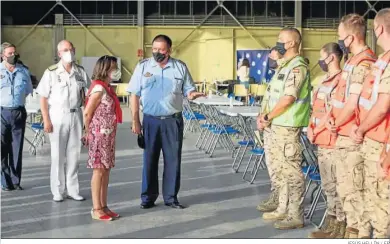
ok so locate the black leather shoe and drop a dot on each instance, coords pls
(18, 187)
(147, 205)
(175, 205)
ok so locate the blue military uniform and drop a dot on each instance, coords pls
(161, 93)
(15, 86)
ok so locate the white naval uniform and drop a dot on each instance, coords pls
(63, 91)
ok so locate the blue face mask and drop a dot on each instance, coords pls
(280, 48)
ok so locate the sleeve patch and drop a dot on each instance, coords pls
(296, 71)
(53, 67)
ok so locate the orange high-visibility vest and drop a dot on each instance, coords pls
(369, 97)
(324, 138)
(342, 90)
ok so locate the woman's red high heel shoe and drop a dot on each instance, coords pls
(110, 213)
(103, 217)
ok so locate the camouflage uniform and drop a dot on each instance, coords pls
(327, 167)
(271, 203)
(376, 190)
(286, 155)
(349, 163)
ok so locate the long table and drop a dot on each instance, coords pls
(246, 111)
(217, 101)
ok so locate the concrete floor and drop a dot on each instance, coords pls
(220, 204)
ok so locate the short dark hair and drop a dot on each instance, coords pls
(103, 66)
(163, 38)
(333, 48)
(245, 62)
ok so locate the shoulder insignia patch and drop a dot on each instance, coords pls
(53, 67)
(296, 71)
(365, 64)
(143, 60)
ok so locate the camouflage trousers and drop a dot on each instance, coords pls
(271, 165)
(349, 175)
(286, 155)
(376, 190)
(327, 167)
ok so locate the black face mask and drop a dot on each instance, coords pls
(12, 59)
(343, 47)
(159, 57)
(323, 65)
(272, 64)
(280, 48)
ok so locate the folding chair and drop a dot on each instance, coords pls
(258, 153)
(191, 118)
(220, 134)
(121, 91)
(39, 137)
(316, 194)
(246, 141)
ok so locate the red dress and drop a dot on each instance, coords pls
(102, 132)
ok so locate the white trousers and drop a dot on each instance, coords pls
(65, 141)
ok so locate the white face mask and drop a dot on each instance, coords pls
(68, 57)
(116, 75)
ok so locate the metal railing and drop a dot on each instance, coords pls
(194, 20)
(101, 19)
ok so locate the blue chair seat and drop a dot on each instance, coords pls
(207, 126)
(257, 151)
(37, 126)
(315, 176)
(194, 116)
(244, 143)
(226, 131)
(305, 169)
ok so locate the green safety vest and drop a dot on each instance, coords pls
(298, 114)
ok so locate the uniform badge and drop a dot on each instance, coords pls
(280, 76)
(79, 78)
(296, 71)
(2, 76)
(148, 74)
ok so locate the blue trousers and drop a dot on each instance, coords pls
(166, 135)
(13, 125)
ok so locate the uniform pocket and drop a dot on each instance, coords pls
(178, 85)
(292, 150)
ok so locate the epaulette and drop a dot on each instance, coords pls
(143, 60)
(79, 66)
(181, 62)
(53, 67)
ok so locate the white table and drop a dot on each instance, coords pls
(33, 106)
(246, 111)
(217, 100)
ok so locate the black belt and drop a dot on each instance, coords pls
(176, 115)
(13, 108)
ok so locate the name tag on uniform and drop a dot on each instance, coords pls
(276, 90)
(281, 76)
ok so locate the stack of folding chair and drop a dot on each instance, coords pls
(192, 118)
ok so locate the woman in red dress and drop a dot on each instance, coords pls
(101, 115)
